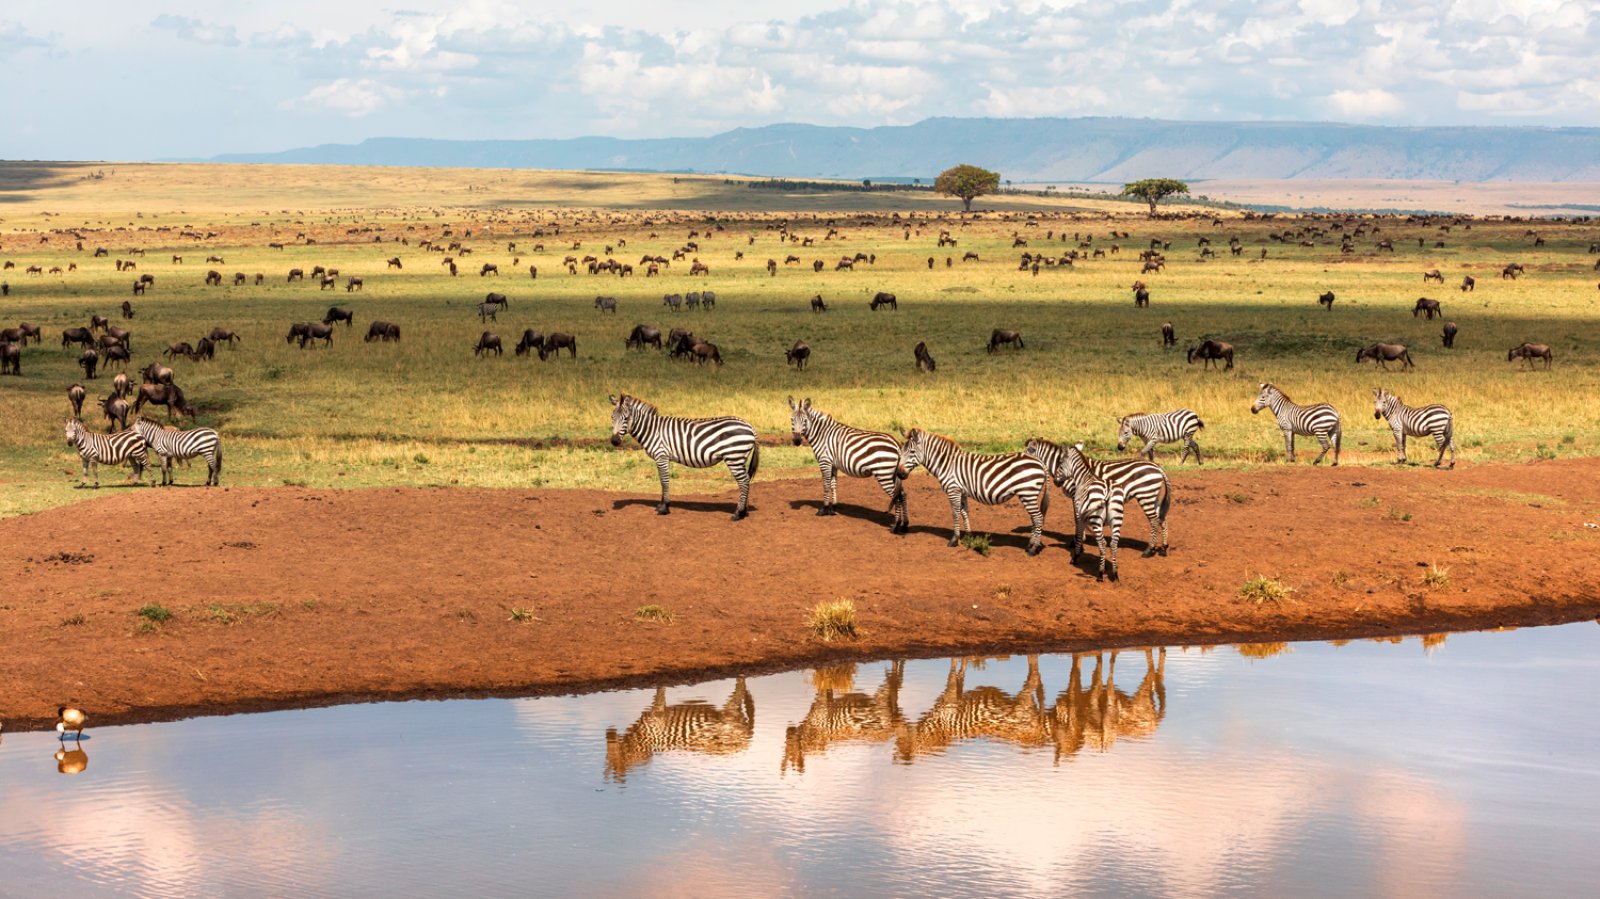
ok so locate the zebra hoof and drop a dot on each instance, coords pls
(663, 510)
(1035, 549)
(1100, 576)
(1150, 552)
(1114, 577)
(954, 542)
(825, 510)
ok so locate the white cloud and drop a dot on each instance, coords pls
(1372, 103)
(355, 98)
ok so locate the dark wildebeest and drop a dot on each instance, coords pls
(1326, 300)
(107, 341)
(169, 395)
(488, 312)
(297, 331)
(127, 309)
(497, 299)
(924, 358)
(533, 340)
(213, 279)
(336, 314)
(706, 352)
(1428, 307)
(354, 284)
(1449, 335)
(75, 395)
(181, 348)
(1529, 352)
(238, 279)
(1169, 337)
(122, 334)
(1468, 283)
(672, 301)
(76, 335)
(1433, 275)
(680, 341)
(1007, 337)
(156, 373)
(205, 349)
(382, 330)
(1211, 351)
(533, 272)
(98, 322)
(218, 335)
(1512, 271)
(11, 335)
(555, 343)
(489, 268)
(798, 355)
(11, 358)
(1141, 296)
(116, 355)
(115, 409)
(487, 341)
(1384, 353)
(395, 263)
(884, 299)
(606, 304)
(317, 331)
(88, 362)
(138, 288)
(296, 274)
(641, 335)
(328, 281)
(119, 384)
(30, 331)
(817, 305)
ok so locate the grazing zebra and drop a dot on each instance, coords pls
(852, 451)
(1319, 420)
(695, 442)
(687, 726)
(1434, 421)
(105, 449)
(178, 445)
(1144, 482)
(988, 478)
(1161, 427)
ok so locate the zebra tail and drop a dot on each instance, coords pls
(755, 460)
(1198, 422)
(1166, 500)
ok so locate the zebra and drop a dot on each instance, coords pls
(692, 726)
(176, 445)
(106, 449)
(1097, 504)
(1320, 420)
(989, 478)
(959, 714)
(1161, 427)
(1434, 421)
(695, 442)
(1144, 482)
(857, 453)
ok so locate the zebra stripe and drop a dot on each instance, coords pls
(1098, 505)
(178, 445)
(1161, 427)
(1143, 482)
(105, 449)
(840, 448)
(990, 479)
(1319, 420)
(695, 442)
(693, 726)
(1433, 421)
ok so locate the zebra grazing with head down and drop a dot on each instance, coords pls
(1320, 420)
(1161, 427)
(1434, 421)
(177, 445)
(840, 448)
(1141, 481)
(695, 442)
(988, 478)
(106, 449)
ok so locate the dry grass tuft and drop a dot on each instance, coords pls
(836, 619)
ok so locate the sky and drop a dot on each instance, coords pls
(151, 79)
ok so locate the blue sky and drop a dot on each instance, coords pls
(141, 79)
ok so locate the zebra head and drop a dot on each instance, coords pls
(909, 453)
(1383, 402)
(621, 415)
(1264, 399)
(1073, 468)
(74, 431)
(799, 419)
(1124, 430)
(1049, 454)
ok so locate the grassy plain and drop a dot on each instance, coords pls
(425, 411)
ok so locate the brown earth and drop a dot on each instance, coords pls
(284, 596)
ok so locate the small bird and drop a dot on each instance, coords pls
(71, 719)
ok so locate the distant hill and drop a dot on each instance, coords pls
(1047, 149)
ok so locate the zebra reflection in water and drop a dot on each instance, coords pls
(1101, 714)
(839, 714)
(960, 714)
(693, 726)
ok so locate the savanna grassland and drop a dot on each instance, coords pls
(425, 411)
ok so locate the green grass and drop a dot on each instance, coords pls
(978, 543)
(154, 613)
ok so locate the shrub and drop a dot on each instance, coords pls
(1262, 589)
(834, 619)
(978, 543)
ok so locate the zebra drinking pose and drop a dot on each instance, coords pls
(106, 449)
(1143, 482)
(1161, 427)
(1319, 420)
(695, 442)
(178, 445)
(991, 479)
(1434, 421)
(852, 451)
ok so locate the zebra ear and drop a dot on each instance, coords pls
(791, 403)
(613, 399)
(806, 402)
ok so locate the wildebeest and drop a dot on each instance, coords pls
(1512, 271)
(1006, 337)
(1211, 351)
(213, 279)
(238, 279)
(327, 281)
(641, 335)
(317, 331)
(204, 349)
(218, 335)
(181, 348)
(30, 331)
(98, 322)
(169, 395)
(395, 263)
(924, 358)
(817, 305)
(76, 335)
(116, 355)
(555, 343)
(1428, 307)
(488, 312)
(75, 395)
(798, 355)
(156, 373)
(11, 359)
(1433, 275)
(119, 384)
(382, 330)
(1384, 353)
(121, 334)
(1468, 283)
(1326, 300)
(297, 331)
(704, 352)
(487, 341)
(679, 342)
(353, 284)
(88, 362)
(489, 268)
(1169, 337)
(1529, 352)
(127, 309)
(296, 274)
(672, 301)
(1141, 296)
(1449, 335)
(606, 304)
(336, 314)
(115, 409)
(884, 299)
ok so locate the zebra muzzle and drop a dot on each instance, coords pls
(615, 440)
(798, 440)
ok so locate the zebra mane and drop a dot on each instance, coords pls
(635, 402)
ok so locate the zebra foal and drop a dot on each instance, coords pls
(105, 449)
(1179, 425)
(1433, 421)
(988, 478)
(1319, 420)
(178, 445)
(840, 448)
(695, 442)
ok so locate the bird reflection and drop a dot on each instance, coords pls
(839, 714)
(693, 726)
(71, 761)
(1101, 714)
(960, 714)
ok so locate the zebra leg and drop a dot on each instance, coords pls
(830, 486)
(1116, 538)
(1036, 514)
(1326, 445)
(1288, 445)
(1400, 441)
(956, 502)
(1191, 444)
(83, 481)
(1149, 451)
(897, 501)
(95, 464)
(742, 475)
(1100, 539)
(662, 466)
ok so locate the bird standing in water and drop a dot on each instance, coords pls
(70, 719)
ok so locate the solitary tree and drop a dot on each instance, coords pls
(966, 182)
(1154, 190)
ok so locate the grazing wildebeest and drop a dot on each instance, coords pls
(817, 305)
(555, 343)
(488, 312)
(30, 331)
(213, 279)
(487, 341)
(238, 279)
(1384, 353)
(680, 341)
(672, 301)
(1211, 351)
(260, 279)
(1428, 307)
(1449, 335)
(121, 334)
(296, 275)
(169, 395)
(116, 355)
(704, 352)
(11, 358)
(497, 299)
(489, 268)
(533, 272)
(531, 341)
(204, 349)
(1141, 296)
(11, 335)
(115, 409)
(1326, 300)
(1169, 337)
(218, 335)
(641, 335)
(76, 335)
(395, 263)
(798, 355)
(75, 395)
(107, 341)
(336, 314)
(924, 358)
(318, 271)
(328, 281)
(88, 362)
(1005, 336)
(354, 284)
(317, 331)
(297, 331)
(606, 304)
(1433, 275)
(1468, 283)
(1529, 352)
(699, 268)
(382, 330)
(98, 322)
(156, 373)
(1512, 271)
(127, 309)
(119, 384)
(884, 299)
(181, 348)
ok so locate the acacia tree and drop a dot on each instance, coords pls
(966, 182)
(1154, 190)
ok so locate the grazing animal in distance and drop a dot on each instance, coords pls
(75, 395)
(531, 341)
(817, 305)
(924, 358)
(336, 314)
(115, 409)
(1326, 300)
(1468, 283)
(1211, 351)
(556, 342)
(488, 341)
(798, 355)
(488, 312)
(382, 330)
(11, 359)
(1433, 275)
(884, 299)
(1005, 337)
(89, 361)
(1449, 335)
(1169, 337)
(317, 331)
(695, 442)
(1384, 353)
(1428, 307)
(1434, 421)
(169, 395)
(642, 335)
(606, 304)
(1528, 352)
(221, 335)
(841, 449)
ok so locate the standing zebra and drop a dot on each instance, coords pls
(857, 453)
(991, 479)
(695, 442)
(1097, 504)
(1434, 421)
(1319, 420)
(1161, 427)
(105, 449)
(1144, 482)
(177, 445)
